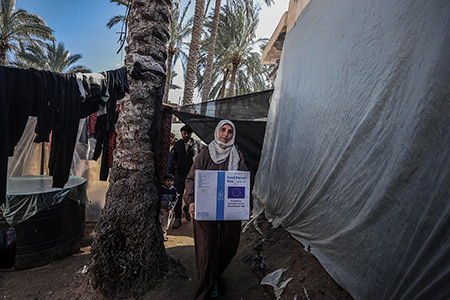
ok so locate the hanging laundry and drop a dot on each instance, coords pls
(65, 130)
(84, 132)
(105, 145)
(94, 92)
(48, 93)
(118, 86)
(16, 101)
(92, 121)
(105, 133)
(58, 101)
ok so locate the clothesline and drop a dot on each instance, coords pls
(59, 101)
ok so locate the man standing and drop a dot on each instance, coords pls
(184, 151)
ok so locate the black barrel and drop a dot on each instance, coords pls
(51, 234)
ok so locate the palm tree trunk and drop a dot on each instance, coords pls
(211, 49)
(128, 248)
(224, 84)
(168, 74)
(232, 80)
(194, 49)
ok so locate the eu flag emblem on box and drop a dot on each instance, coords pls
(236, 192)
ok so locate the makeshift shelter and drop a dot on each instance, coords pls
(52, 206)
(32, 159)
(355, 162)
(248, 113)
(71, 108)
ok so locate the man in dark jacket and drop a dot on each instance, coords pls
(184, 151)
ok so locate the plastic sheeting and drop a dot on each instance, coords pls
(27, 161)
(252, 106)
(28, 195)
(25, 152)
(248, 113)
(356, 161)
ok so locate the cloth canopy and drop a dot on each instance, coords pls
(247, 112)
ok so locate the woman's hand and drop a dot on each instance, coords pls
(192, 210)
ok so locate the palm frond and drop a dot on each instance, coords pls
(79, 69)
(121, 2)
(52, 57)
(180, 30)
(115, 20)
(19, 29)
(236, 43)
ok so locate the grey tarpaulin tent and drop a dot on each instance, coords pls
(356, 157)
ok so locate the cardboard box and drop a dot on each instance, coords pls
(222, 195)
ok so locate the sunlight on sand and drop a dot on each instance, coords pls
(176, 240)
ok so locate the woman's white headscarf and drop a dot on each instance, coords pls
(219, 151)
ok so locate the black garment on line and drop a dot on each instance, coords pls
(55, 100)
(105, 124)
(16, 102)
(65, 133)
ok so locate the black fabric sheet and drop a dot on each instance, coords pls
(252, 106)
(247, 112)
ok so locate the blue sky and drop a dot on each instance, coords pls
(81, 26)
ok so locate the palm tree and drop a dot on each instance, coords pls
(19, 28)
(252, 76)
(194, 49)
(128, 249)
(211, 50)
(177, 45)
(53, 58)
(238, 26)
(235, 56)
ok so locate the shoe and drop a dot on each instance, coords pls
(165, 238)
(187, 215)
(176, 223)
(215, 294)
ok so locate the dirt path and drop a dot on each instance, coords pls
(241, 281)
(64, 279)
(256, 256)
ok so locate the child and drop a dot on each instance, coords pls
(168, 201)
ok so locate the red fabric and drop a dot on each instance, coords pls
(112, 140)
(164, 141)
(92, 121)
(111, 146)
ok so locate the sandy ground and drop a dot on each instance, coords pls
(257, 256)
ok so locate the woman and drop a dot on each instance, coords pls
(216, 242)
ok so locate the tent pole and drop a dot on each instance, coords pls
(42, 157)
